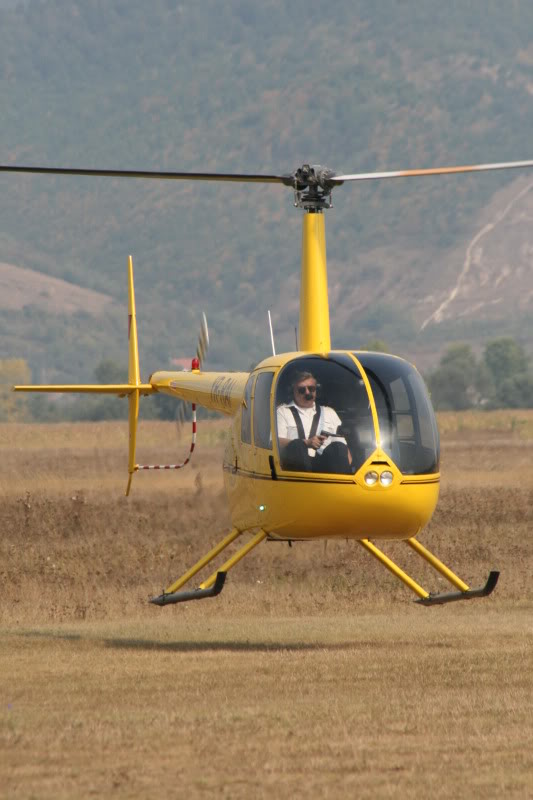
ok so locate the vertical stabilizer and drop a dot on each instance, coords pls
(134, 374)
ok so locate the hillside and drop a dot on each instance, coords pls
(25, 287)
(228, 86)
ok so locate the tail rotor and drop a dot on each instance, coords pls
(202, 348)
(181, 408)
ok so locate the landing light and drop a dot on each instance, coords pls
(371, 478)
(386, 478)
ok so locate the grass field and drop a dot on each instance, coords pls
(313, 674)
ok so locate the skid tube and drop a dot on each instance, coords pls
(215, 583)
(425, 598)
(167, 599)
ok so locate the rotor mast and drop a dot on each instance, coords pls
(312, 192)
(314, 305)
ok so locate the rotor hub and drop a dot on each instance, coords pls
(312, 187)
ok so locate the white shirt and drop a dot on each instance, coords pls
(329, 422)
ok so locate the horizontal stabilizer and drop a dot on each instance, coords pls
(120, 389)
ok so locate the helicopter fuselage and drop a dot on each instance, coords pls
(309, 508)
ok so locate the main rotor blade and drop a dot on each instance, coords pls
(287, 180)
(164, 176)
(415, 173)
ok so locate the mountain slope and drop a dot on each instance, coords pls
(25, 287)
(230, 86)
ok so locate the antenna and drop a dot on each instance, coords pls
(271, 333)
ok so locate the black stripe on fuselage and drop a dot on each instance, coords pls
(261, 476)
(419, 482)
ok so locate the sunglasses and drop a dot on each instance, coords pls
(306, 389)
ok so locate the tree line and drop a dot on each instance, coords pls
(501, 378)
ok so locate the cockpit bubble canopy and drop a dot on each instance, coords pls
(341, 412)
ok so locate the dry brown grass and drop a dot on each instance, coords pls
(313, 674)
(517, 422)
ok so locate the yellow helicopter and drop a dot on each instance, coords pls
(323, 443)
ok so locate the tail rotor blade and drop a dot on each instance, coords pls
(181, 417)
(203, 341)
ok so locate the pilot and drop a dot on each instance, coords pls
(307, 431)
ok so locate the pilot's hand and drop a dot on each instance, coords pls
(315, 441)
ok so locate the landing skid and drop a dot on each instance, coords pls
(215, 583)
(425, 598)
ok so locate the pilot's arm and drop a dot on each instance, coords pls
(330, 427)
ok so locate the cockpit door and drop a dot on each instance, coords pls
(336, 408)
(262, 421)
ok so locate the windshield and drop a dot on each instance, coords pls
(323, 416)
(407, 424)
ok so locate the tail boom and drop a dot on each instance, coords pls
(218, 391)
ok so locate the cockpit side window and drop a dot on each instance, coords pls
(246, 414)
(262, 431)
